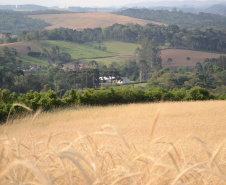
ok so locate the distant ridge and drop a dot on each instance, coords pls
(217, 9)
(31, 7)
(197, 4)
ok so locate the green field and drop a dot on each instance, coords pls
(121, 48)
(107, 61)
(115, 51)
(76, 51)
(90, 51)
(32, 60)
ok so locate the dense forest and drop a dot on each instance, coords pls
(16, 22)
(190, 20)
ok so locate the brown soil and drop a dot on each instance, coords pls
(179, 57)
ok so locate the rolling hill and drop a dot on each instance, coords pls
(87, 20)
(116, 52)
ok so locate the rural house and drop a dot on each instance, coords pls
(123, 80)
(105, 79)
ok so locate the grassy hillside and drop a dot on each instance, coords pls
(158, 143)
(116, 52)
(40, 61)
(22, 50)
(90, 50)
(76, 50)
(87, 20)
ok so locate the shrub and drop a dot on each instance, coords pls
(197, 93)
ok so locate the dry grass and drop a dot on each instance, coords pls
(179, 57)
(162, 143)
(21, 47)
(88, 20)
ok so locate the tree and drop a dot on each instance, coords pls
(28, 48)
(143, 69)
(64, 57)
(188, 58)
(18, 73)
(73, 74)
(8, 37)
(93, 64)
(198, 67)
(150, 53)
(169, 61)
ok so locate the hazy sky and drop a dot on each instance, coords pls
(82, 3)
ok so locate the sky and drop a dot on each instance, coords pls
(82, 3)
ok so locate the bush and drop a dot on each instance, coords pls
(34, 54)
(197, 93)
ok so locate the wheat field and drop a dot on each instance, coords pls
(88, 20)
(153, 143)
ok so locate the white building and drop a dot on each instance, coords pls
(123, 80)
(105, 79)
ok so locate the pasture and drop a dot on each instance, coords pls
(179, 57)
(76, 50)
(88, 20)
(155, 143)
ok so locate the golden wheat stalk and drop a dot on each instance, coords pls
(125, 177)
(28, 164)
(185, 171)
(117, 132)
(17, 105)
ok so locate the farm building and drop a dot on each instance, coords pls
(123, 80)
(34, 67)
(105, 79)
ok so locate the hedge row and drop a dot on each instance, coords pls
(49, 100)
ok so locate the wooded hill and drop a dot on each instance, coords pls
(16, 22)
(190, 20)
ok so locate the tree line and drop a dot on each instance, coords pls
(210, 39)
(49, 100)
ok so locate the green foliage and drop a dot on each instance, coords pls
(150, 53)
(34, 54)
(49, 100)
(197, 93)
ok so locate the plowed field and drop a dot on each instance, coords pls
(21, 47)
(179, 57)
